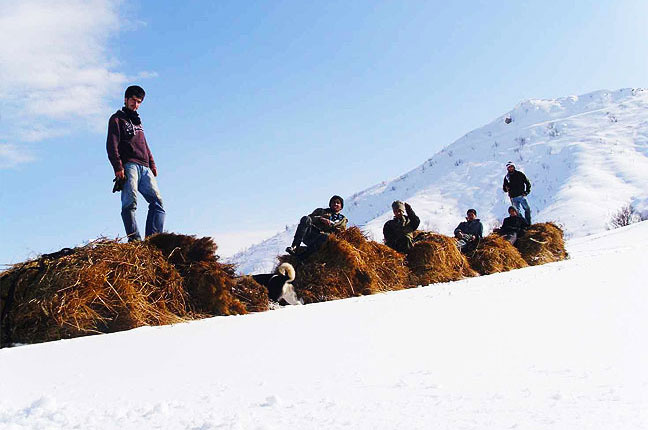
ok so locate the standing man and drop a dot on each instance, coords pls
(314, 229)
(398, 231)
(134, 166)
(518, 187)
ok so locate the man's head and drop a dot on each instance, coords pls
(510, 166)
(471, 214)
(336, 203)
(399, 208)
(512, 211)
(133, 97)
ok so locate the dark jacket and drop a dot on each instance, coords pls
(473, 227)
(399, 232)
(338, 221)
(513, 224)
(126, 143)
(516, 184)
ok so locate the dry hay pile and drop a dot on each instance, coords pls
(347, 265)
(495, 254)
(102, 287)
(542, 243)
(435, 258)
(212, 286)
(252, 294)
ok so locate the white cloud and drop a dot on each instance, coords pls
(56, 73)
(12, 155)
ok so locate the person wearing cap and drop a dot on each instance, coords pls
(518, 187)
(398, 231)
(134, 166)
(513, 226)
(469, 232)
(313, 229)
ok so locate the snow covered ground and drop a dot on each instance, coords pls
(586, 157)
(560, 346)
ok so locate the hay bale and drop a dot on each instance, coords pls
(209, 283)
(347, 265)
(102, 287)
(542, 243)
(252, 294)
(495, 254)
(435, 258)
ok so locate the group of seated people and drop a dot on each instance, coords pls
(398, 232)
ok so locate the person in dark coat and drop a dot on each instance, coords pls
(518, 187)
(313, 229)
(469, 232)
(513, 226)
(134, 167)
(398, 231)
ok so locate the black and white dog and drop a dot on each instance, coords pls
(279, 284)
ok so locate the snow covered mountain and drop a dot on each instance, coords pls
(558, 346)
(586, 157)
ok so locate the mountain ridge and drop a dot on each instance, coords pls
(586, 156)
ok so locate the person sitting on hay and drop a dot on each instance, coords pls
(398, 232)
(513, 226)
(313, 229)
(469, 232)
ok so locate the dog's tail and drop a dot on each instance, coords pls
(286, 269)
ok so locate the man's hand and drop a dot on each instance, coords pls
(327, 221)
(120, 175)
(154, 170)
(408, 207)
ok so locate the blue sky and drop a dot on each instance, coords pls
(257, 112)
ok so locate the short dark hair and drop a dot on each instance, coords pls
(135, 90)
(336, 197)
(471, 210)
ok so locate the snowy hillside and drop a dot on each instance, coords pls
(586, 157)
(558, 346)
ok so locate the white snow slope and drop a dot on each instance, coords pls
(585, 156)
(559, 346)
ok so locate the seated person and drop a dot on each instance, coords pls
(313, 229)
(399, 231)
(469, 232)
(513, 226)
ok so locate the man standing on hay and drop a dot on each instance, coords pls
(398, 232)
(313, 229)
(469, 232)
(518, 187)
(513, 226)
(134, 166)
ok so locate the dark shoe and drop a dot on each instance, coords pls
(292, 250)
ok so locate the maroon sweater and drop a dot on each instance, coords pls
(121, 149)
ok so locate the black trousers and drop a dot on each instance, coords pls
(310, 235)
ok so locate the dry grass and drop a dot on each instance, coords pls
(495, 254)
(542, 243)
(252, 294)
(348, 265)
(102, 287)
(210, 284)
(435, 258)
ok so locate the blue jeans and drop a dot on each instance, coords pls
(520, 203)
(140, 178)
